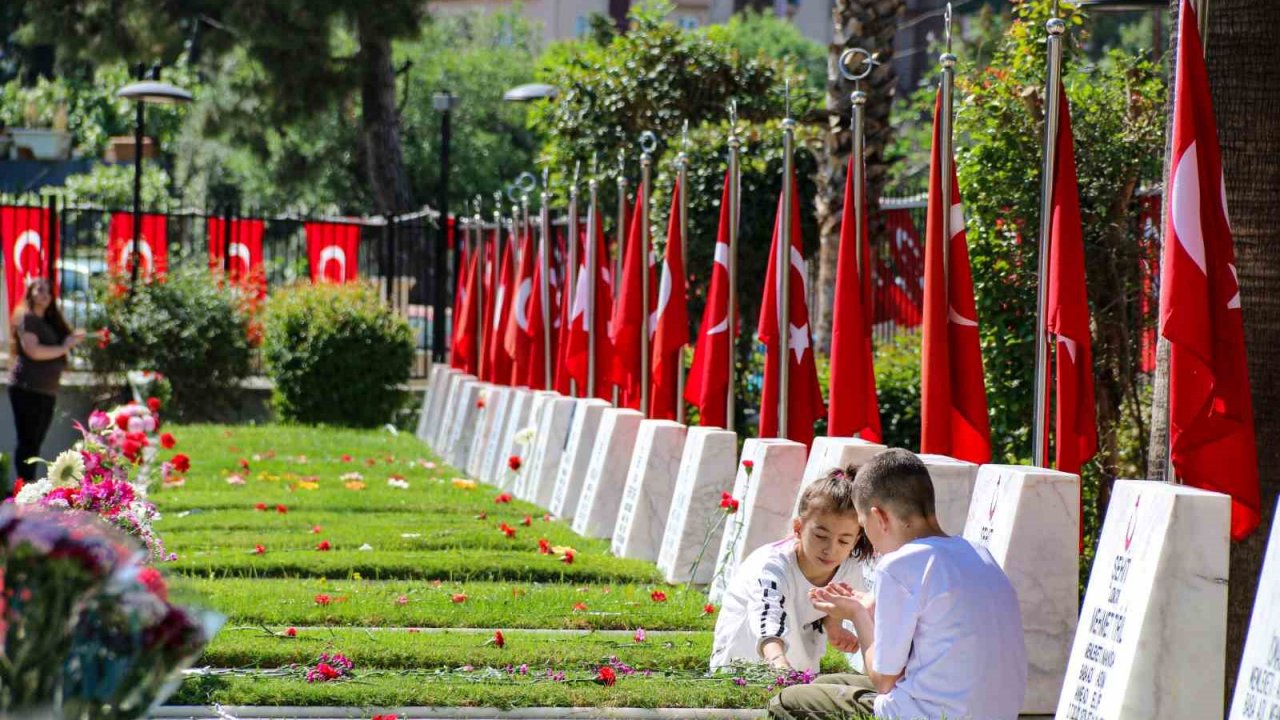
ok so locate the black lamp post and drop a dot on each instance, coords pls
(142, 92)
(444, 102)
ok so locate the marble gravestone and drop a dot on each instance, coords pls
(576, 457)
(523, 444)
(953, 482)
(829, 453)
(444, 430)
(1152, 638)
(432, 399)
(496, 471)
(597, 511)
(695, 524)
(553, 433)
(1029, 519)
(495, 411)
(466, 417)
(766, 494)
(1258, 684)
(646, 498)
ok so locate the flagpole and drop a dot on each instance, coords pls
(682, 166)
(735, 146)
(857, 127)
(648, 143)
(620, 245)
(475, 240)
(1040, 425)
(571, 273)
(592, 276)
(948, 62)
(783, 265)
(544, 282)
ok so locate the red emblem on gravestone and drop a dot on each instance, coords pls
(1133, 524)
(995, 498)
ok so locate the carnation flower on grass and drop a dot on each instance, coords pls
(708, 609)
(291, 632)
(323, 546)
(259, 550)
(502, 498)
(606, 676)
(658, 596)
(580, 607)
(499, 639)
(640, 635)
(329, 667)
(322, 599)
(458, 598)
(514, 462)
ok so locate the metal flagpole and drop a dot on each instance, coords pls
(682, 167)
(857, 128)
(475, 239)
(783, 265)
(571, 273)
(648, 143)
(619, 246)
(735, 188)
(593, 269)
(544, 282)
(1040, 424)
(948, 62)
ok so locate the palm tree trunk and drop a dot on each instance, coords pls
(871, 25)
(380, 124)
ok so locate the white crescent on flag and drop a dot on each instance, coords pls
(721, 259)
(522, 303)
(497, 305)
(664, 297)
(957, 227)
(240, 250)
(335, 254)
(126, 254)
(28, 238)
(1185, 207)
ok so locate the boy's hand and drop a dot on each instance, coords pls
(839, 637)
(834, 602)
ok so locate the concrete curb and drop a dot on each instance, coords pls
(229, 712)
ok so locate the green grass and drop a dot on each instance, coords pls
(392, 606)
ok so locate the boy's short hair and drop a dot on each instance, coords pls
(834, 493)
(895, 480)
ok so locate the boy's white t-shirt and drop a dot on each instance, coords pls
(768, 597)
(947, 615)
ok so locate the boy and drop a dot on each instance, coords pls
(765, 614)
(942, 636)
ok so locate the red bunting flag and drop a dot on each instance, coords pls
(332, 249)
(804, 405)
(498, 368)
(516, 338)
(153, 245)
(24, 236)
(581, 318)
(708, 384)
(1075, 435)
(669, 323)
(629, 315)
(1212, 441)
(853, 410)
(954, 418)
(236, 248)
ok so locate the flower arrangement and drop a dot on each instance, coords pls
(108, 472)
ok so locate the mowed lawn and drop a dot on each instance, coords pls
(296, 535)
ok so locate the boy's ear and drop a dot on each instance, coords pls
(880, 516)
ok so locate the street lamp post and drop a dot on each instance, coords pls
(444, 102)
(142, 92)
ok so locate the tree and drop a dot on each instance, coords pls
(871, 25)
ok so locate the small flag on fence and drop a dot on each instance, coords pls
(153, 245)
(26, 245)
(332, 249)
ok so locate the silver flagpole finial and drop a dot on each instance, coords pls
(865, 59)
(946, 20)
(577, 171)
(786, 90)
(733, 115)
(684, 137)
(595, 165)
(648, 142)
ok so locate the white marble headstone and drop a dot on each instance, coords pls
(1152, 637)
(953, 482)
(597, 510)
(766, 494)
(444, 432)
(1258, 684)
(829, 453)
(520, 482)
(577, 456)
(696, 521)
(553, 433)
(496, 470)
(495, 412)
(466, 417)
(432, 399)
(1029, 519)
(651, 480)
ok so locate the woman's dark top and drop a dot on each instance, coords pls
(40, 376)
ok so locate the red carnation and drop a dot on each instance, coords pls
(323, 599)
(122, 421)
(244, 464)
(282, 509)
(154, 582)
(483, 516)
(658, 596)
(181, 463)
(259, 550)
(480, 403)
(729, 503)
(459, 598)
(18, 485)
(568, 557)
(507, 530)
(748, 465)
(291, 632)
(514, 463)
(527, 521)
(346, 457)
(708, 609)
(544, 547)
(260, 507)
(153, 404)
(167, 441)
(315, 529)
(323, 546)
(502, 498)
(580, 607)
(605, 676)
(498, 639)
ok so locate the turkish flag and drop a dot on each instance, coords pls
(708, 384)
(564, 310)
(538, 345)
(24, 237)
(153, 245)
(461, 281)
(244, 242)
(581, 317)
(669, 323)
(468, 322)
(516, 338)
(499, 358)
(332, 250)
(954, 419)
(900, 288)
(1075, 435)
(630, 317)
(853, 409)
(1211, 435)
(804, 394)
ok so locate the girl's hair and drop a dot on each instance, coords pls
(833, 493)
(52, 314)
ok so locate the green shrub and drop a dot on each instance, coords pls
(897, 366)
(337, 354)
(188, 327)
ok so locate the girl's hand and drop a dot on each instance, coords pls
(834, 603)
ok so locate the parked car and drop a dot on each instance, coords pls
(75, 287)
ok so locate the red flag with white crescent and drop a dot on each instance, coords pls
(242, 260)
(805, 405)
(461, 281)
(467, 320)
(499, 360)
(953, 395)
(1212, 440)
(332, 250)
(153, 245)
(24, 237)
(535, 340)
(630, 318)
(516, 339)
(853, 409)
(669, 322)
(708, 384)
(581, 318)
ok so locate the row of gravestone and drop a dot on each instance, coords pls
(1151, 633)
